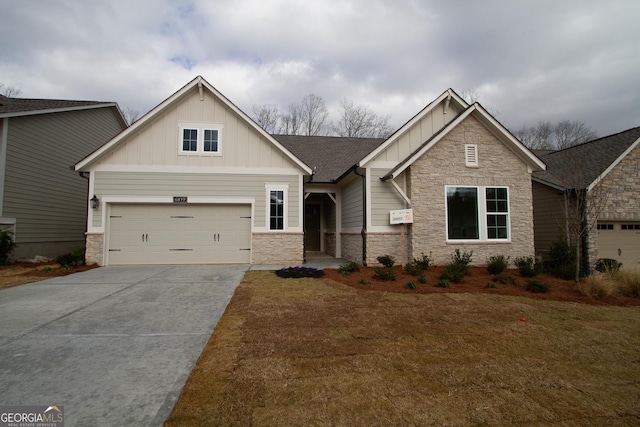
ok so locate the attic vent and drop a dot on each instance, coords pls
(471, 155)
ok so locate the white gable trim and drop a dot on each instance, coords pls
(446, 96)
(613, 165)
(197, 82)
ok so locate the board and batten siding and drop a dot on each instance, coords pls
(47, 198)
(228, 186)
(384, 198)
(418, 134)
(157, 143)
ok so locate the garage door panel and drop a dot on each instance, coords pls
(620, 241)
(184, 234)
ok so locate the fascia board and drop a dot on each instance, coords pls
(426, 110)
(613, 165)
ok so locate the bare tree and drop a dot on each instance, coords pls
(9, 91)
(313, 115)
(130, 115)
(267, 116)
(359, 121)
(291, 122)
(549, 136)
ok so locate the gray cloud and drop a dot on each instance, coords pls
(528, 60)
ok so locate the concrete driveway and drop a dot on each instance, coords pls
(114, 345)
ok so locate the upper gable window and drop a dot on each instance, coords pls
(200, 139)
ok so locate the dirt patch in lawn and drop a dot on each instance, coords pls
(23, 273)
(477, 282)
(319, 352)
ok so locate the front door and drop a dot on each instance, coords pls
(312, 227)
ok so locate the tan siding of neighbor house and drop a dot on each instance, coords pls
(157, 143)
(46, 196)
(199, 185)
(549, 221)
(410, 141)
(444, 164)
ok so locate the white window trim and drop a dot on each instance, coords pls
(200, 127)
(482, 215)
(285, 190)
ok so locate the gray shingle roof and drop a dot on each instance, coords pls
(580, 165)
(332, 156)
(24, 105)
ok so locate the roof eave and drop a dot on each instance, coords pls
(613, 165)
(59, 110)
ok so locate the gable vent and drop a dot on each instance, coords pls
(471, 155)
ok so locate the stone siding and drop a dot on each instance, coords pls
(94, 252)
(277, 248)
(352, 246)
(444, 164)
(330, 243)
(379, 244)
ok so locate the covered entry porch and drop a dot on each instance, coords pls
(322, 222)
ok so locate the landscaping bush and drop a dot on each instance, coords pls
(455, 272)
(385, 274)
(71, 259)
(608, 265)
(386, 260)
(561, 261)
(298, 272)
(348, 268)
(492, 285)
(505, 279)
(536, 286)
(422, 279)
(628, 282)
(363, 281)
(526, 266)
(412, 268)
(463, 258)
(442, 284)
(597, 286)
(411, 285)
(423, 262)
(497, 264)
(7, 245)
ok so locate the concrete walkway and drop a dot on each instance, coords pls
(113, 346)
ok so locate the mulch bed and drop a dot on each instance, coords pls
(560, 290)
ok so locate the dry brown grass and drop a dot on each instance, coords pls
(317, 352)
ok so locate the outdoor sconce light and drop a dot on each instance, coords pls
(95, 202)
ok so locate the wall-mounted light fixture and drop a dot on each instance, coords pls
(95, 202)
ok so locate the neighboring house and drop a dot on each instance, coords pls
(43, 202)
(197, 181)
(606, 173)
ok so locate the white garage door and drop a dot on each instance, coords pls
(179, 234)
(620, 241)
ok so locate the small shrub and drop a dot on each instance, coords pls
(526, 266)
(7, 245)
(561, 261)
(421, 279)
(628, 282)
(364, 281)
(71, 259)
(299, 272)
(442, 283)
(463, 258)
(608, 265)
(455, 272)
(385, 274)
(348, 268)
(386, 260)
(423, 262)
(492, 285)
(47, 269)
(411, 285)
(536, 286)
(505, 279)
(412, 268)
(597, 286)
(497, 264)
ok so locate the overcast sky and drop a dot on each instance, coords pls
(528, 61)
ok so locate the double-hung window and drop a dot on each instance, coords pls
(477, 213)
(200, 138)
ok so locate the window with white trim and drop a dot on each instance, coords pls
(276, 206)
(477, 213)
(200, 139)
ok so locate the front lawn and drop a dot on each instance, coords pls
(319, 352)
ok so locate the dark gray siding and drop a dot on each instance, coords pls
(42, 192)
